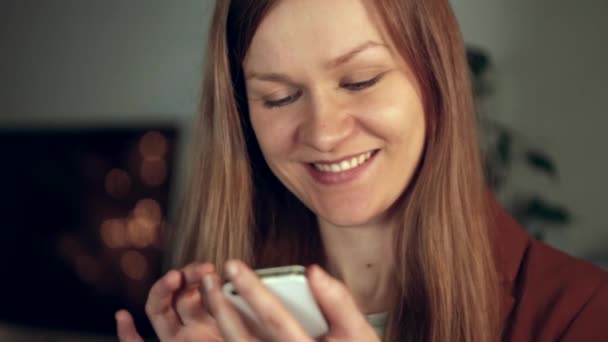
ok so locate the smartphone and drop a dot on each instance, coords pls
(290, 285)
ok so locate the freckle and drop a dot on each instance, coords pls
(369, 265)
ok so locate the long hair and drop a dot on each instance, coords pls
(445, 270)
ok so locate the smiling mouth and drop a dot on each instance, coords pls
(345, 164)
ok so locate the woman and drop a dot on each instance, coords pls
(341, 133)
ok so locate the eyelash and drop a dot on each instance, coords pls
(357, 86)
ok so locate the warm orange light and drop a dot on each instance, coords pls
(113, 233)
(134, 265)
(148, 209)
(87, 268)
(153, 172)
(141, 232)
(153, 146)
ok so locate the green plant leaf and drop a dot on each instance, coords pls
(478, 60)
(541, 162)
(538, 208)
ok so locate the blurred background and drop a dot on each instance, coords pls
(96, 102)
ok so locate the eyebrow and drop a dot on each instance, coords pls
(352, 53)
(331, 64)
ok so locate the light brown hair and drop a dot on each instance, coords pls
(446, 278)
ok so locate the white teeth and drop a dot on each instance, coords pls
(345, 164)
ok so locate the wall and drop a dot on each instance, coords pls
(101, 61)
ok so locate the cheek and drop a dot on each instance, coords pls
(394, 113)
(273, 133)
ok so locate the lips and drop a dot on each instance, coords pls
(344, 164)
(341, 171)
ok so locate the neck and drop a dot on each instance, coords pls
(362, 258)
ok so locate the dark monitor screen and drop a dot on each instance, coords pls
(82, 213)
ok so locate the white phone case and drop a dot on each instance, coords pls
(290, 285)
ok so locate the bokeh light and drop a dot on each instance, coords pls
(153, 172)
(148, 209)
(134, 265)
(141, 233)
(153, 146)
(143, 227)
(117, 183)
(113, 233)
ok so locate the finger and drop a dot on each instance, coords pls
(125, 327)
(228, 319)
(159, 306)
(272, 315)
(338, 306)
(189, 301)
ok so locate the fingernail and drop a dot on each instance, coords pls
(208, 281)
(232, 269)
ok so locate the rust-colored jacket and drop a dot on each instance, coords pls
(549, 296)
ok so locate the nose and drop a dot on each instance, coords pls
(327, 124)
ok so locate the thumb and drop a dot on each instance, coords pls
(337, 304)
(125, 327)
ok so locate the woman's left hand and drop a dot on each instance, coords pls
(346, 322)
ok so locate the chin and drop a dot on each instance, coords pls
(349, 219)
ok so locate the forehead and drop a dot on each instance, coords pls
(310, 30)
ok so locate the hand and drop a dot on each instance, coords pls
(175, 309)
(346, 322)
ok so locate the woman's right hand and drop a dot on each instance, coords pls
(175, 309)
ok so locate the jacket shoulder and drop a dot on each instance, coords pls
(590, 323)
(557, 295)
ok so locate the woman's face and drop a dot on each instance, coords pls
(336, 111)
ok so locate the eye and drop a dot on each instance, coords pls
(356, 86)
(282, 102)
